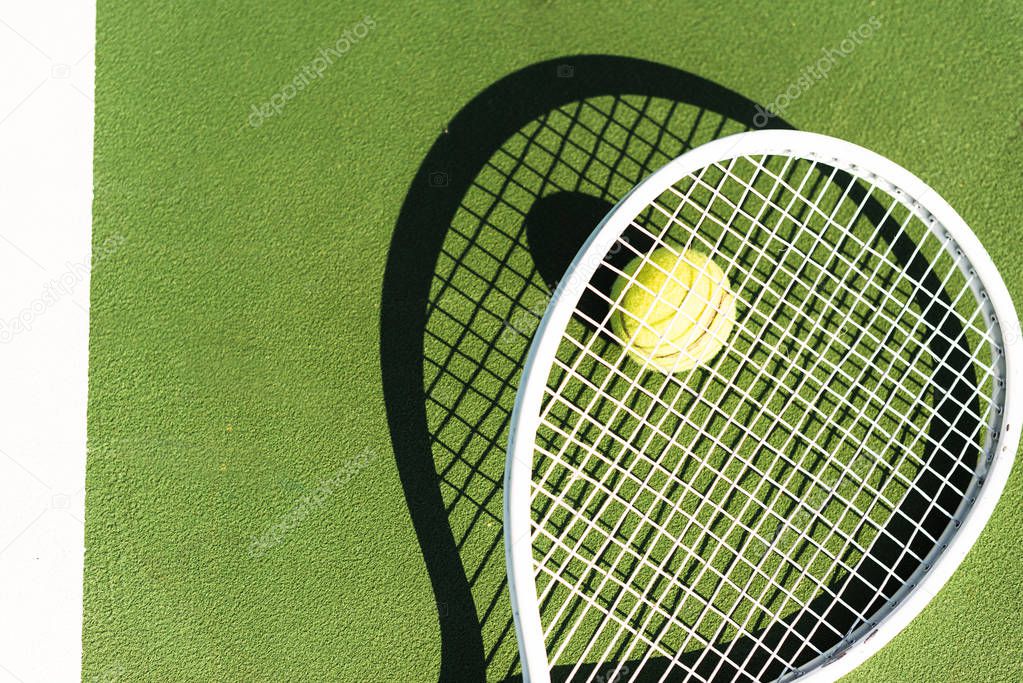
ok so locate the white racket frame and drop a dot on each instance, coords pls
(989, 478)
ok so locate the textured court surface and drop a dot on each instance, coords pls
(268, 498)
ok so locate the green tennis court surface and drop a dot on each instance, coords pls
(337, 227)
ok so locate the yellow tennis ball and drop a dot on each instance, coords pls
(674, 311)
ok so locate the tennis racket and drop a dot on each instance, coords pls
(783, 507)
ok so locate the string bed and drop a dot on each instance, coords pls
(739, 519)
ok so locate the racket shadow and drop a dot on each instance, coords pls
(497, 209)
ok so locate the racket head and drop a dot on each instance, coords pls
(987, 477)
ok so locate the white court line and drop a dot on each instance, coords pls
(46, 128)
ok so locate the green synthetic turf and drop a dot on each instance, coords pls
(245, 515)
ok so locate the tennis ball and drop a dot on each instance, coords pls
(674, 311)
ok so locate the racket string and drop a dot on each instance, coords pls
(571, 373)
